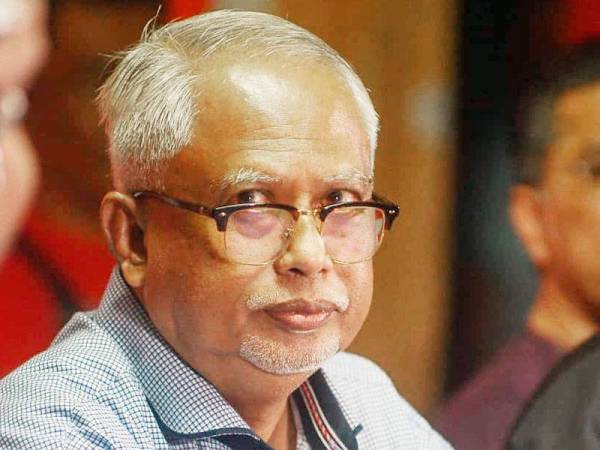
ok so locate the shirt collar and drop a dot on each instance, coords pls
(324, 423)
(185, 402)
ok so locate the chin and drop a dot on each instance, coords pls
(278, 358)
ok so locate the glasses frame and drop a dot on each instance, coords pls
(221, 214)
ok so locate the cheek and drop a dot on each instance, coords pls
(181, 241)
(359, 284)
(574, 236)
(197, 307)
(193, 282)
(577, 222)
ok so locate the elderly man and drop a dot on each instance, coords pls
(555, 209)
(244, 224)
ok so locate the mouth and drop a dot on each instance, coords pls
(301, 316)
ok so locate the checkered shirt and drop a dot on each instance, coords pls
(110, 381)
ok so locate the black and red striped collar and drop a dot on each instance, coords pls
(323, 421)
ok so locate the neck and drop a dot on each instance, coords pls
(560, 317)
(263, 401)
(273, 422)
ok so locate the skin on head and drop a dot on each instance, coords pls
(300, 126)
(558, 221)
(23, 49)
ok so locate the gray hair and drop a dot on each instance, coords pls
(148, 104)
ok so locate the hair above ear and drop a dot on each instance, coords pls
(125, 237)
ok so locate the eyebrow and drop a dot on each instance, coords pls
(242, 176)
(250, 175)
(353, 176)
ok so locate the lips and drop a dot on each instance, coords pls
(301, 315)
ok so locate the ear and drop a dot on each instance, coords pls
(119, 221)
(526, 214)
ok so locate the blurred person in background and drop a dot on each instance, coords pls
(60, 262)
(555, 210)
(23, 49)
(243, 273)
(564, 413)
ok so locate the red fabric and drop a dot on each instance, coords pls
(582, 21)
(179, 9)
(30, 315)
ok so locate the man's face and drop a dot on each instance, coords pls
(570, 196)
(270, 132)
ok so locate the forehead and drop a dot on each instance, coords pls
(277, 117)
(575, 126)
(578, 111)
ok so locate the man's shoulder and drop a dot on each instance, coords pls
(481, 412)
(512, 374)
(80, 382)
(83, 352)
(574, 386)
(82, 364)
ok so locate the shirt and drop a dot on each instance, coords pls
(110, 380)
(564, 412)
(480, 415)
(42, 282)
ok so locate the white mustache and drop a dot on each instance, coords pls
(274, 297)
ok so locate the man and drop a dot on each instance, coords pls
(555, 210)
(564, 412)
(244, 224)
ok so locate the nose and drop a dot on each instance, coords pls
(305, 254)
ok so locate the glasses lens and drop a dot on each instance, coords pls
(256, 235)
(353, 233)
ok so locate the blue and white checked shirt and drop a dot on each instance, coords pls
(110, 381)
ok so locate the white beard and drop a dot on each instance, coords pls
(281, 359)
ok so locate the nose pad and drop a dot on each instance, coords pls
(288, 233)
(305, 251)
(305, 226)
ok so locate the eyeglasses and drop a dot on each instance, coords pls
(258, 233)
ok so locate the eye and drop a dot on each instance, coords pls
(591, 160)
(251, 196)
(340, 196)
(595, 171)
